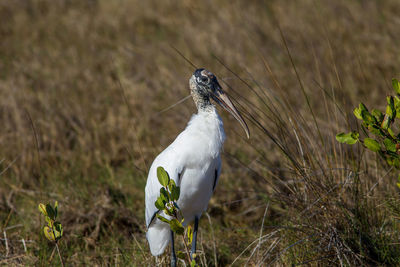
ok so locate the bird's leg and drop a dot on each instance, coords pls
(173, 255)
(194, 240)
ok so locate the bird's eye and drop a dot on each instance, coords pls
(204, 79)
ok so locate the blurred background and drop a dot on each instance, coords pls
(81, 87)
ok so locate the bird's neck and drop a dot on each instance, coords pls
(208, 130)
(202, 102)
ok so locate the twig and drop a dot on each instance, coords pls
(35, 138)
(15, 240)
(11, 258)
(52, 255)
(9, 204)
(23, 243)
(213, 237)
(140, 247)
(6, 242)
(173, 105)
(59, 255)
(202, 255)
(95, 233)
(183, 262)
(186, 249)
(13, 226)
(9, 165)
(34, 193)
(6, 222)
(185, 58)
(116, 257)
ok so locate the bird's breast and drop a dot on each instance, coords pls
(203, 138)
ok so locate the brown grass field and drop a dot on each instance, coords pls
(81, 87)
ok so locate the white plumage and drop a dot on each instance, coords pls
(195, 155)
(193, 161)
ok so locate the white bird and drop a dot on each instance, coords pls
(193, 161)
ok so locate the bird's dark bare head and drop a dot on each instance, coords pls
(203, 83)
(203, 86)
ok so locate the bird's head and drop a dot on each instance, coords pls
(204, 85)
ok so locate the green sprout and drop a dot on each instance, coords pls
(53, 231)
(167, 202)
(385, 142)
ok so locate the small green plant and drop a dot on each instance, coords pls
(166, 202)
(53, 231)
(386, 141)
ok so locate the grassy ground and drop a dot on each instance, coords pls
(81, 85)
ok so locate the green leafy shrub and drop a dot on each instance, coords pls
(386, 141)
(166, 202)
(53, 231)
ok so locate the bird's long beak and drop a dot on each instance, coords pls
(221, 98)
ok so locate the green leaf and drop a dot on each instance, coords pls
(176, 226)
(190, 234)
(162, 176)
(163, 219)
(362, 107)
(49, 221)
(357, 113)
(367, 117)
(58, 230)
(55, 210)
(391, 146)
(171, 185)
(42, 209)
(390, 110)
(386, 122)
(393, 160)
(396, 86)
(396, 163)
(48, 233)
(349, 138)
(372, 144)
(50, 211)
(176, 191)
(160, 204)
(377, 114)
(397, 106)
(164, 194)
(390, 131)
(398, 180)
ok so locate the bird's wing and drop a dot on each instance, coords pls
(171, 163)
(187, 150)
(217, 172)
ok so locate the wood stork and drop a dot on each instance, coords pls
(193, 161)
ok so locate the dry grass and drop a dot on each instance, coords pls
(289, 195)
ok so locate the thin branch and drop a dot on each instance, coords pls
(186, 249)
(213, 237)
(59, 255)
